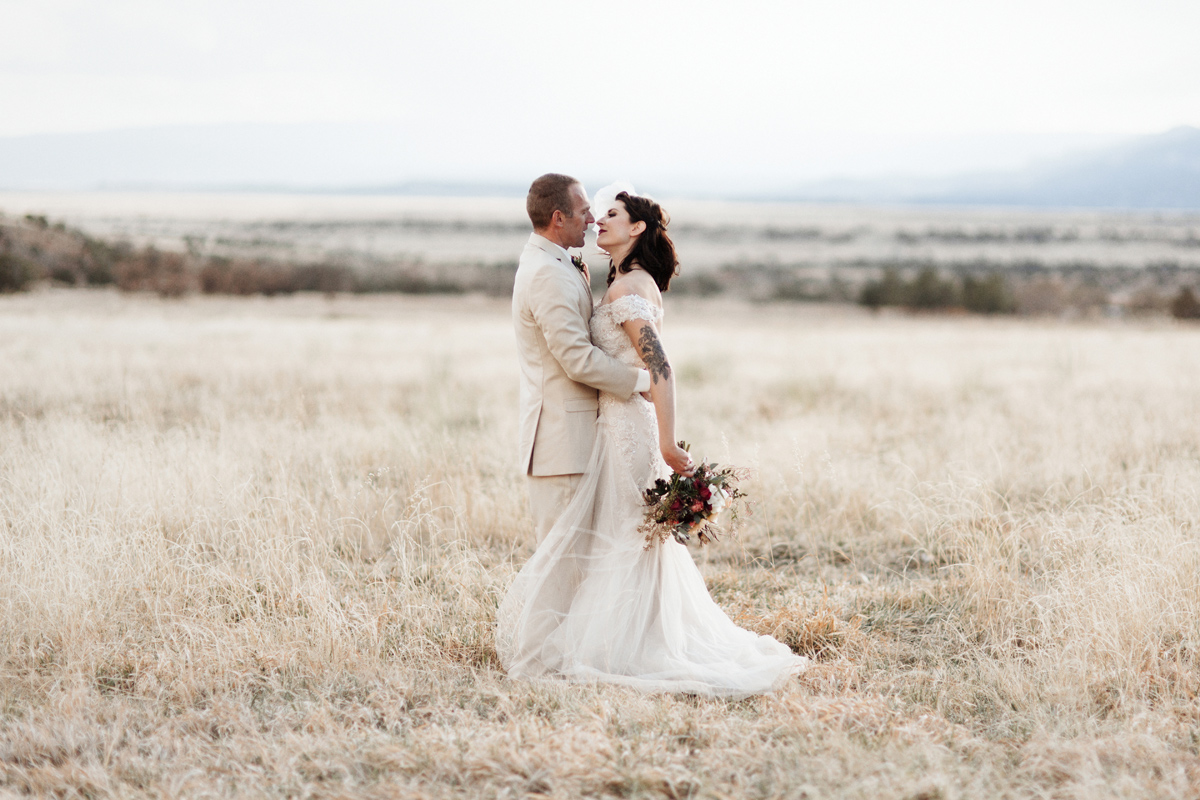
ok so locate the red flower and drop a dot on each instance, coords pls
(705, 492)
(676, 505)
(698, 505)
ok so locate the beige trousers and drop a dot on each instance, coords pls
(548, 498)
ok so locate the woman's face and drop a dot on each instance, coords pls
(616, 229)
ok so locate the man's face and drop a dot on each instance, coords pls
(576, 225)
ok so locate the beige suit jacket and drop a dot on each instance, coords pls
(561, 369)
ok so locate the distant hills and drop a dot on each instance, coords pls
(1149, 172)
(1158, 171)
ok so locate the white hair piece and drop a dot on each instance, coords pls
(606, 198)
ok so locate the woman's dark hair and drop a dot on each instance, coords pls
(653, 251)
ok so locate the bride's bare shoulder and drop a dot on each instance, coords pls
(636, 282)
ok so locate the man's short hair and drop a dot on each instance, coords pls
(547, 194)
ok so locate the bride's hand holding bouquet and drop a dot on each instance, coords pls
(690, 503)
(677, 457)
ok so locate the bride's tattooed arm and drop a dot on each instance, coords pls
(643, 335)
(652, 353)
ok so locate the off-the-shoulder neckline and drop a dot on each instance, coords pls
(631, 294)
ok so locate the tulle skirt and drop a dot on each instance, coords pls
(592, 604)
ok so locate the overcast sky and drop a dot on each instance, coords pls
(493, 89)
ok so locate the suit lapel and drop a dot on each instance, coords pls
(557, 255)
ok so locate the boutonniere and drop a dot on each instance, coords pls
(577, 261)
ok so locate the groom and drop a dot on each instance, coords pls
(561, 370)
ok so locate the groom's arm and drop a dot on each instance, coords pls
(555, 312)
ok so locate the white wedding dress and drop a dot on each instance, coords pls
(592, 604)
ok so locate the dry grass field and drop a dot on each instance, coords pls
(253, 548)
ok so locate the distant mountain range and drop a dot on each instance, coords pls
(1158, 171)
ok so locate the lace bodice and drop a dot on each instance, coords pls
(609, 336)
(631, 423)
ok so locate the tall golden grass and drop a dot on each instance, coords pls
(254, 547)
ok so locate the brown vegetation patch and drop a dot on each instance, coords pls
(817, 633)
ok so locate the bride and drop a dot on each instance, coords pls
(592, 604)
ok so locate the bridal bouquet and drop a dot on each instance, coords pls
(682, 506)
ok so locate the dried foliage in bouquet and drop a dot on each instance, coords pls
(684, 506)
